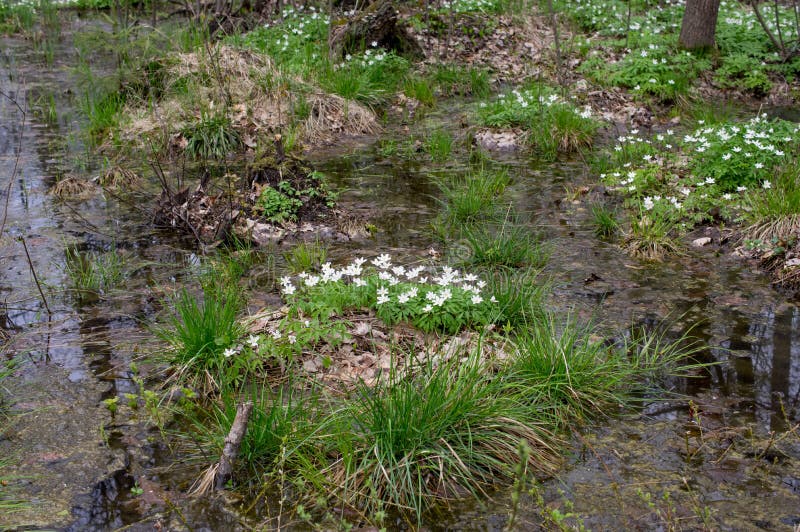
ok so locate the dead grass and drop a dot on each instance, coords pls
(777, 228)
(257, 98)
(71, 186)
(118, 178)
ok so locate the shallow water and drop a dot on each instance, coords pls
(80, 353)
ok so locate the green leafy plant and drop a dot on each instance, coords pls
(283, 201)
(743, 71)
(279, 204)
(656, 68)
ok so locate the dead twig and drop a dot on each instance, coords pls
(16, 159)
(217, 476)
(35, 277)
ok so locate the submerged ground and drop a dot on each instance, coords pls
(84, 447)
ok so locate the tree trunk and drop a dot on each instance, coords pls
(378, 24)
(699, 24)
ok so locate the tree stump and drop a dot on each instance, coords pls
(378, 23)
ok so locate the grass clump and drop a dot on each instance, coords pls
(94, 273)
(306, 257)
(103, 111)
(605, 221)
(433, 434)
(553, 125)
(518, 297)
(650, 237)
(774, 213)
(509, 245)
(280, 435)
(202, 330)
(211, 138)
(439, 145)
(419, 89)
(564, 373)
(458, 80)
(471, 198)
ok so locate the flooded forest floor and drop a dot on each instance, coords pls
(576, 244)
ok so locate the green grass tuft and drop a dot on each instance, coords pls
(432, 433)
(471, 198)
(509, 245)
(605, 221)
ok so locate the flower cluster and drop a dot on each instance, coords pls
(682, 179)
(298, 27)
(520, 106)
(432, 300)
(371, 57)
(610, 17)
(469, 6)
(740, 155)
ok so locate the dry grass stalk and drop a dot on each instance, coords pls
(766, 230)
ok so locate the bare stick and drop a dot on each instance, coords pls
(778, 27)
(556, 41)
(232, 443)
(16, 159)
(33, 271)
(757, 11)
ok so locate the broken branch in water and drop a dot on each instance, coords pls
(218, 475)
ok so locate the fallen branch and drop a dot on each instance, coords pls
(218, 475)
